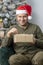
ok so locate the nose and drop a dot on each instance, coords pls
(22, 18)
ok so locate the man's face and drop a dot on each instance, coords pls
(22, 19)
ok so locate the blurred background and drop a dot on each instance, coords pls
(37, 12)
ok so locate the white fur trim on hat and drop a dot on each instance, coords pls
(21, 11)
(29, 17)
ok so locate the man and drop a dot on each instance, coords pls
(25, 53)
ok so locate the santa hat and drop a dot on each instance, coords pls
(26, 9)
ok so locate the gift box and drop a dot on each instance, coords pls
(24, 38)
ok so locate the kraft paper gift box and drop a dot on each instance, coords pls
(24, 38)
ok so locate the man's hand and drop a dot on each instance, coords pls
(34, 40)
(12, 31)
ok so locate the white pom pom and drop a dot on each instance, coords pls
(29, 17)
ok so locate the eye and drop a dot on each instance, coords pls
(20, 16)
(25, 16)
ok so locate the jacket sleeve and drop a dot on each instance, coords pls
(7, 41)
(39, 38)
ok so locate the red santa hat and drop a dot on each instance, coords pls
(26, 9)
